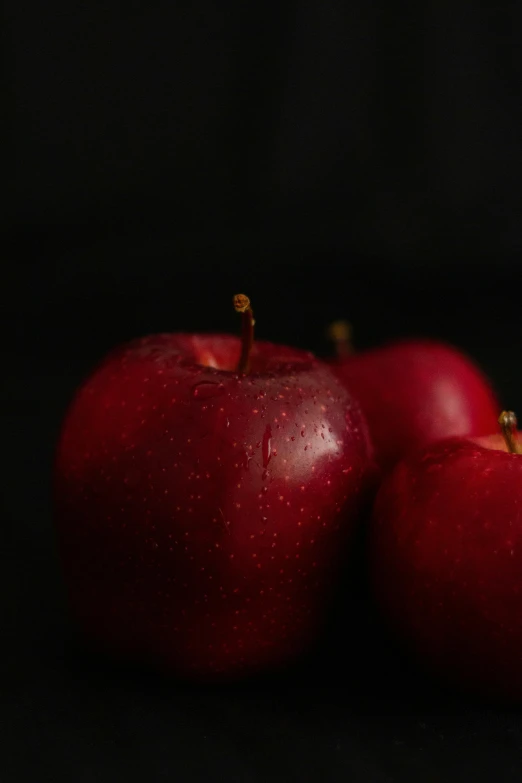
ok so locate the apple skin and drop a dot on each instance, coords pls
(201, 514)
(446, 562)
(415, 392)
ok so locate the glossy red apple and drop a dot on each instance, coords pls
(202, 511)
(415, 392)
(446, 559)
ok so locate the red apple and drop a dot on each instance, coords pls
(446, 559)
(202, 511)
(416, 392)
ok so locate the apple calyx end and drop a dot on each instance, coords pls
(508, 425)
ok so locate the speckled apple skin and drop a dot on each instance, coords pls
(203, 515)
(446, 562)
(415, 392)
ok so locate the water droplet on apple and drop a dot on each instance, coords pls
(206, 389)
(267, 445)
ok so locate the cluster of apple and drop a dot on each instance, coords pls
(207, 489)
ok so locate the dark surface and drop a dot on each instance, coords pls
(337, 124)
(354, 712)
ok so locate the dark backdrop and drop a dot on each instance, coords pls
(330, 159)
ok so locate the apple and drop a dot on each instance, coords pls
(446, 559)
(205, 488)
(415, 392)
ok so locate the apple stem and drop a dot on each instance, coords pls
(242, 305)
(508, 425)
(340, 332)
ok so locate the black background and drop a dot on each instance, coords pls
(329, 159)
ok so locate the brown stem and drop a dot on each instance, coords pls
(508, 425)
(340, 332)
(242, 305)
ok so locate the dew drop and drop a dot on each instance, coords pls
(267, 446)
(207, 389)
